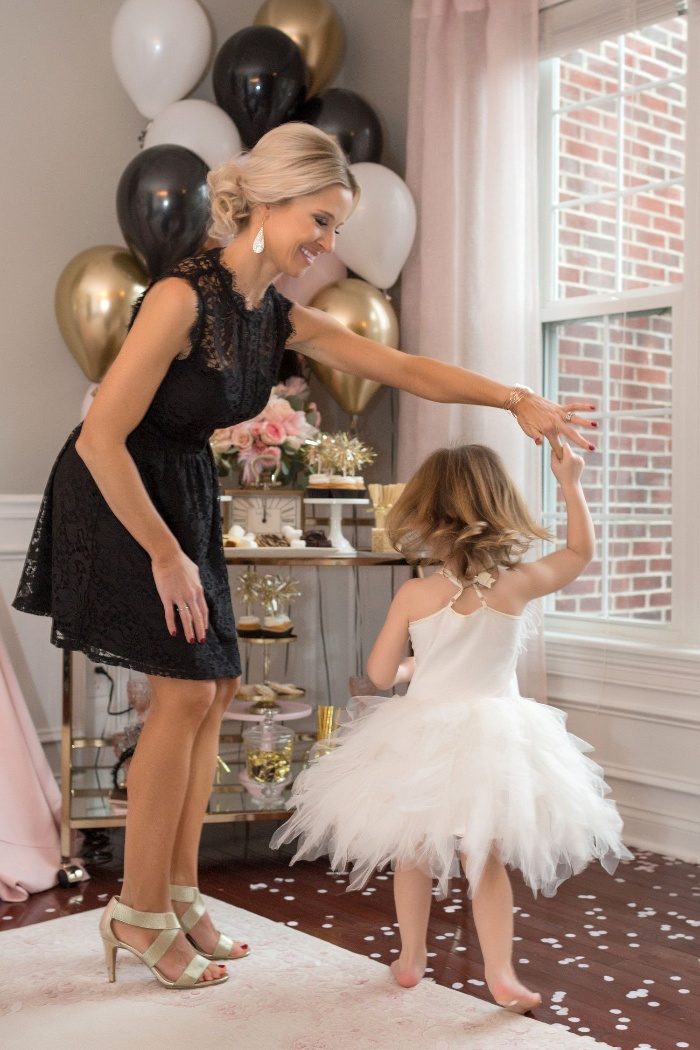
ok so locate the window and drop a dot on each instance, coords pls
(613, 134)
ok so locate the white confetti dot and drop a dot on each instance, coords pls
(322, 891)
(621, 1027)
(652, 1004)
(608, 978)
(432, 955)
(458, 985)
(676, 978)
(289, 898)
(327, 926)
(583, 966)
(460, 948)
(684, 991)
(524, 961)
(376, 955)
(588, 1029)
(7, 918)
(394, 951)
(647, 980)
(49, 911)
(614, 1011)
(473, 980)
(682, 1044)
(292, 922)
(369, 938)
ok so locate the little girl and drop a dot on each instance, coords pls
(462, 764)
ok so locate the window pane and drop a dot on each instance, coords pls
(640, 362)
(623, 362)
(652, 237)
(588, 163)
(589, 73)
(583, 597)
(619, 122)
(587, 238)
(640, 570)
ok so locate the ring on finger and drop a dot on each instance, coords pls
(569, 416)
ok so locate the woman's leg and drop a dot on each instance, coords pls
(492, 906)
(159, 774)
(413, 891)
(185, 853)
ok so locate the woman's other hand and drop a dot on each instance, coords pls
(179, 587)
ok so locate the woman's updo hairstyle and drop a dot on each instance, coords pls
(290, 161)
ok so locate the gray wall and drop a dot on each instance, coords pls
(68, 131)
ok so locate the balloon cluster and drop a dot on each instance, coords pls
(276, 70)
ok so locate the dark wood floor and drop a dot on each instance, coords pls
(616, 958)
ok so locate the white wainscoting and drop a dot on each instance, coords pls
(37, 663)
(640, 708)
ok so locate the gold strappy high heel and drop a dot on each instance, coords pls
(167, 923)
(191, 895)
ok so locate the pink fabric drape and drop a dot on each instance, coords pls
(469, 289)
(30, 851)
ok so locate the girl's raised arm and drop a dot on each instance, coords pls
(554, 571)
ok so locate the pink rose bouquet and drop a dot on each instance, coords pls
(272, 442)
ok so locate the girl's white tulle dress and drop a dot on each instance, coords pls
(462, 764)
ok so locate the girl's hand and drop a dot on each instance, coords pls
(177, 582)
(540, 419)
(569, 468)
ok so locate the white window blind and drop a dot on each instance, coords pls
(570, 24)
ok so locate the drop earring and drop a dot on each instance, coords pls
(259, 242)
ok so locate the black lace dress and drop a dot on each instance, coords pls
(85, 570)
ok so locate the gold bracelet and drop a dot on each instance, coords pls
(515, 397)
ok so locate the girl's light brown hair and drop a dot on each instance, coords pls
(462, 506)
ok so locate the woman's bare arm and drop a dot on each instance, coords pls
(158, 335)
(323, 338)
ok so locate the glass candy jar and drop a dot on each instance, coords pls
(268, 755)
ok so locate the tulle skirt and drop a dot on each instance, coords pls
(418, 782)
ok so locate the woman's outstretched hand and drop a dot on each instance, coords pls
(180, 590)
(540, 419)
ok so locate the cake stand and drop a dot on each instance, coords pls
(338, 540)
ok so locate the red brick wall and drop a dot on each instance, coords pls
(631, 240)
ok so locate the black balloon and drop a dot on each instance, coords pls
(163, 206)
(259, 79)
(347, 118)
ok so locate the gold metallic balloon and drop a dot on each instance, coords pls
(365, 310)
(315, 27)
(94, 297)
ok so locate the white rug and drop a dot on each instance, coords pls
(293, 992)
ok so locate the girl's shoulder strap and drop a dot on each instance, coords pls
(444, 571)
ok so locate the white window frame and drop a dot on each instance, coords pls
(683, 633)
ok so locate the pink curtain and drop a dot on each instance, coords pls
(469, 289)
(30, 808)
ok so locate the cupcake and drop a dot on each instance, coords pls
(249, 627)
(317, 486)
(279, 626)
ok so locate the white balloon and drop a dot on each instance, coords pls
(160, 49)
(198, 126)
(377, 238)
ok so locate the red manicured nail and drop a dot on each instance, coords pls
(173, 634)
(244, 947)
(591, 448)
(594, 424)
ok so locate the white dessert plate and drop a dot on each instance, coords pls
(283, 552)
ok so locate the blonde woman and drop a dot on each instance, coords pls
(127, 556)
(462, 767)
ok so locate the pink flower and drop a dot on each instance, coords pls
(255, 428)
(221, 440)
(278, 410)
(291, 424)
(241, 436)
(295, 386)
(272, 433)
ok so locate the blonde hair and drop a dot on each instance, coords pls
(290, 161)
(462, 506)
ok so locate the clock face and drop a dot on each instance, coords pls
(265, 512)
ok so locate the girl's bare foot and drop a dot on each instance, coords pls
(178, 956)
(408, 973)
(509, 993)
